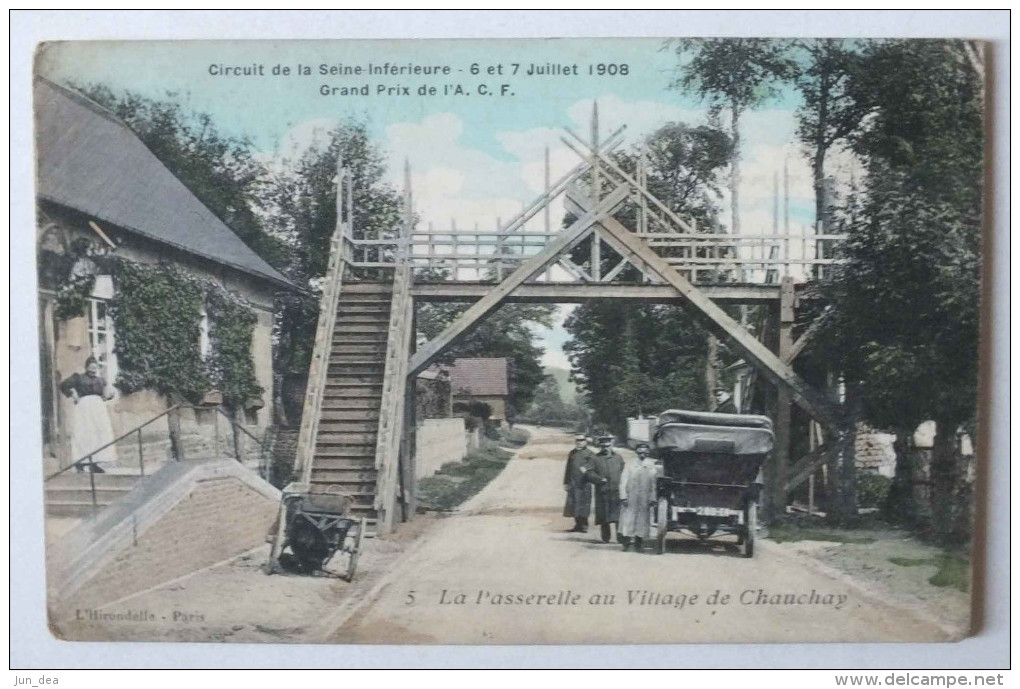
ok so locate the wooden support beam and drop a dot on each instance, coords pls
(617, 269)
(717, 320)
(580, 292)
(781, 449)
(807, 466)
(567, 240)
(805, 339)
(577, 271)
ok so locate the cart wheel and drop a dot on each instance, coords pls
(352, 560)
(662, 525)
(750, 526)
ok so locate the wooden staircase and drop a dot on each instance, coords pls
(345, 444)
(352, 432)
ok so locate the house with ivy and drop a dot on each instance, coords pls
(136, 272)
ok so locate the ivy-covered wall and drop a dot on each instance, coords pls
(157, 314)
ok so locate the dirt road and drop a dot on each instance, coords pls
(504, 570)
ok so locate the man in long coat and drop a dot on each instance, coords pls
(578, 489)
(637, 496)
(604, 472)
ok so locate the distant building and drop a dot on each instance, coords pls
(467, 381)
(481, 380)
(98, 183)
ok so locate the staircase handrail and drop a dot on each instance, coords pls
(82, 460)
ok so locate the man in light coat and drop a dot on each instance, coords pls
(578, 489)
(637, 496)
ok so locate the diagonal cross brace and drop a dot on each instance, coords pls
(564, 242)
(717, 320)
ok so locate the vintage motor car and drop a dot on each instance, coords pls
(711, 474)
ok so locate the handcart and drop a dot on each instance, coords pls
(314, 524)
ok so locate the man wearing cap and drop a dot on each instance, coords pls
(604, 472)
(578, 489)
(637, 496)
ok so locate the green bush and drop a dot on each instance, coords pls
(872, 489)
(455, 482)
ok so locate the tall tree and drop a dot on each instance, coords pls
(734, 74)
(829, 113)
(302, 207)
(905, 317)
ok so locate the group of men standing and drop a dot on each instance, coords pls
(624, 493)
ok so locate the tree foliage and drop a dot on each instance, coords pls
(828, 114)
(733, 74)
(631, 359)
(904, 327)
(303, 207)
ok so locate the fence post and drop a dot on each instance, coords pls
(141, 456)
(92, 482)
(174, 428)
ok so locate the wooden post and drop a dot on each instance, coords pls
(781, 450)
(547, 220)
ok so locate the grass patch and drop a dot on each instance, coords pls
(951, 570)
(782, 533)
(455, 482)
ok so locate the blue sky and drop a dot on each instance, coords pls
(474, 158)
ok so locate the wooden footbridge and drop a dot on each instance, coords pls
(357, 430)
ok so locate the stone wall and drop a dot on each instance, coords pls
(438, 441)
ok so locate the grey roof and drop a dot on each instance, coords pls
(90, 160)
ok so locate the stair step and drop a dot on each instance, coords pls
(383, 302)
(360, 330)
(72, 478)
(358, 468)
(351, 390)
(347, 453)
(339, 377)
(357, 363)
(341, 439)
(367, 349)
(77, 509)
(352, 403)
(349, 415)
(104, 495)
(346, 426)
(366, 288)
(353, 307)
(344, 366)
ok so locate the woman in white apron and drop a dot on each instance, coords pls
(90, 422)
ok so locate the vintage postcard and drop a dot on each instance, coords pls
(574, 341)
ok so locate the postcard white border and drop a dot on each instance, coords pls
(31, 644)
